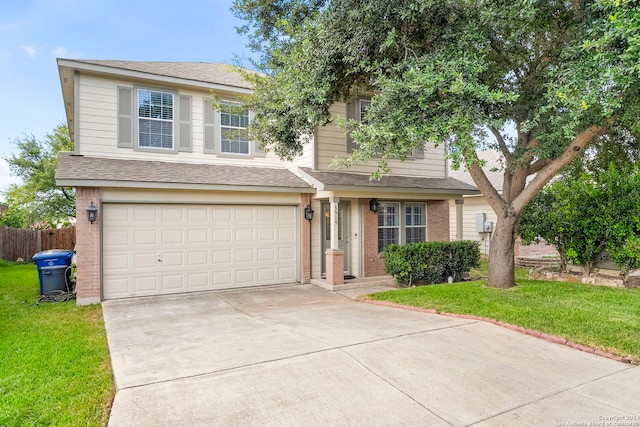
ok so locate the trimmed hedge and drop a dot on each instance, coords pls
(431, 262)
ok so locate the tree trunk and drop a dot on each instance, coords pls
(502, 255)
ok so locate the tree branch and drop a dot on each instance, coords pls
(537, 165)
(501, 143)
(482, 182)
(554, 166)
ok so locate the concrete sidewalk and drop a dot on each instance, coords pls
(302, 356)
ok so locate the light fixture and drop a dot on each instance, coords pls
(308, 213)
(92, 213)
(374, 204)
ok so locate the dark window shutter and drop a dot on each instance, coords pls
(125, 117)
(352, 113)
(184, 124)
(211, 128)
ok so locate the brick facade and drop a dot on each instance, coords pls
(305, 240)
(373, 264)
(534, 250)
(88, 247)
(438, 220)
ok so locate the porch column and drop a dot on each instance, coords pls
(334, 256)
(88, 246)
(459, 219)
(334, 201)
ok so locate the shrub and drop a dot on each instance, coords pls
(432, 262)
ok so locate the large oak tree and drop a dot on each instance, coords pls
(537, 80)
(37, 201)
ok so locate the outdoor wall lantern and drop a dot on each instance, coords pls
(92, 213)
(374, 204)
(308, 213)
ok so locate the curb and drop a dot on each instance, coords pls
(520, 329)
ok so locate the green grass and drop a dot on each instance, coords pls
(54, 360)
(596, 316)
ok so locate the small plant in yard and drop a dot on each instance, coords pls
(595, 316)
(54, 363)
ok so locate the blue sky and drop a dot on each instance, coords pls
(34, 33)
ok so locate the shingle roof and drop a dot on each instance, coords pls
(493, 169)
(76, 169)
(338, 180)
(206, 72)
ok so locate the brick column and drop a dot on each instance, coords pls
(305, 239)
(335, 266)
(88, 247)
(438, 220)
(372, 264)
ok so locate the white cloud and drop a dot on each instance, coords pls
(59, 52)
(31, 51)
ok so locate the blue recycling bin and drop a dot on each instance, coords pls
(53, 270)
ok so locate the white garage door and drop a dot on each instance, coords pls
(163, 249)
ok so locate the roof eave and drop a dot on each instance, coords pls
(105, 69)
(71, 182)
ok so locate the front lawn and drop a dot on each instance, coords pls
(601, 317)
(54, 360)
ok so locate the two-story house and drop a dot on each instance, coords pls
(185, 203)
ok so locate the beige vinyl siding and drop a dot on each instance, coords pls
(331, 141)
(316, 230)
(97, 127)
(305, 160)
(471, 207)
(118, 195)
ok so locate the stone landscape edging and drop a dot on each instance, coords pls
(551, 338)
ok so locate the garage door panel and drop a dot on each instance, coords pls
(117, 238)
(172, 214)
(145, 260)
(144, 285)
(286, 254)
(172, 236)
(266, 275)
(244, 255)
(173, 282)
(197, 281)
(172, 259)
(286, 274)
(222, 236)
(267, 254)
(244, 235)
(197, 258)
(145, 237)
(198, 235)
(266, 234)
(162, 249)
(145, 213)
(222, 279)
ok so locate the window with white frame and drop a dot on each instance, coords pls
(395, 228)
(155, 119)
(415, 222)
(233, 128)
(362, 111)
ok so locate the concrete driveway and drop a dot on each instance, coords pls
(303, 356)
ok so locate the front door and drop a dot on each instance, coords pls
(344, 210)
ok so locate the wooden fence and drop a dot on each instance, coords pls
(18, 243)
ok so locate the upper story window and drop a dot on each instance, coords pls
(225, 130)
(233, 129)
(364, 106)
(155, 119)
